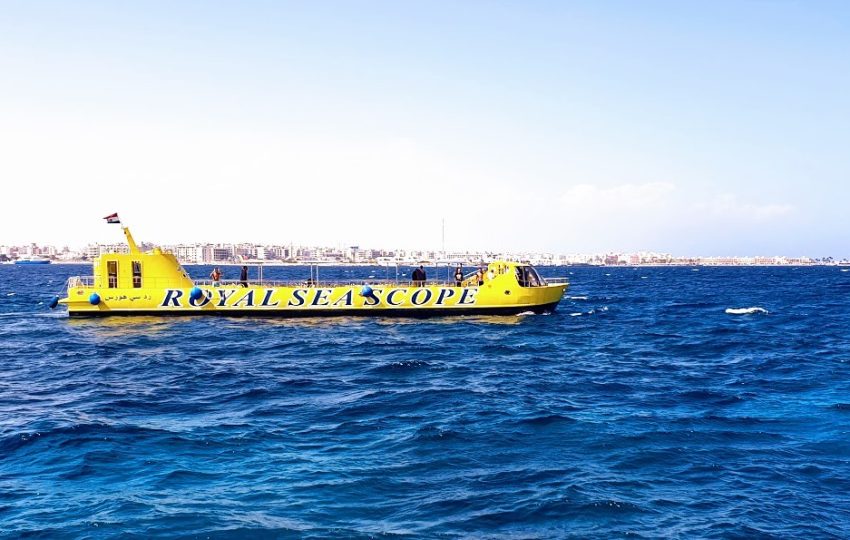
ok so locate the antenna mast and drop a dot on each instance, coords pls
(444, 237)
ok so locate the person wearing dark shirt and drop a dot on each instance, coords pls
(419, 277)
(243, 276)
(459, 275)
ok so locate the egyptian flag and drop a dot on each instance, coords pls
(112, 218)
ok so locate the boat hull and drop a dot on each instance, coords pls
(345, 301)
(400, 313)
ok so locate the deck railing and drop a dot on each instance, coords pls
(81, 281)
(468, 281)
(374, 282)
(155, 282)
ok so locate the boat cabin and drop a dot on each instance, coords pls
(137, 270)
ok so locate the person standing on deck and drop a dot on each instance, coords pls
(459, 275)
(243, 276)
(215, 275)
(418, 277)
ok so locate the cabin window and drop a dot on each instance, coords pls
(137, 274)
(527, 276)
(112, 274)
(520, 276)
(533, 278)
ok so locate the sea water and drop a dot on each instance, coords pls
(656, 402)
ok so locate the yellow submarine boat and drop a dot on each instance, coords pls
(154, 283)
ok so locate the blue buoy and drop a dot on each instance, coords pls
(94, 299)
(53, 302)
(366, 292)
(195, 293)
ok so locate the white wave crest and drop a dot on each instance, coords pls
(578, 298)
(746, 310)
(589, 312)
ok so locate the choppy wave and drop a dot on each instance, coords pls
(589, 312)
(638, 409)
(746, 311)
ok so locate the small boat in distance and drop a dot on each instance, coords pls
(154, 283)
(33, 260)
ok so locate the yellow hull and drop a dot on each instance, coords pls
(283, 301)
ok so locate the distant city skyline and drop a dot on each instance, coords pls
(119, 240)
(228, 253)
(692, 128)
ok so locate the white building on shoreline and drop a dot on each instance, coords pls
(222, 253)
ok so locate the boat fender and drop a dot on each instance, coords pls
(53, 302)
(94, 299)
(195, 293)
(366, 292)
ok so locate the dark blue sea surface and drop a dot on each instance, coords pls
(642, 408)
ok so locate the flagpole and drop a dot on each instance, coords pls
(132, 243)
(113, 218)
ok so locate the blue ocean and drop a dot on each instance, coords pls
(655, 403)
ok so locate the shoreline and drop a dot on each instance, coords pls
(470, 265)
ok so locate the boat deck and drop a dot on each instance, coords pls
(88, 282)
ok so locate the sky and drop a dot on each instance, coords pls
(694, 128)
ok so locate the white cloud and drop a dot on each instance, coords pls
(196, 185)
(728, 205)
(625, 197)
(656, 215)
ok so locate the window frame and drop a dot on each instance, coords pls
(137, 276)
(112, 274)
